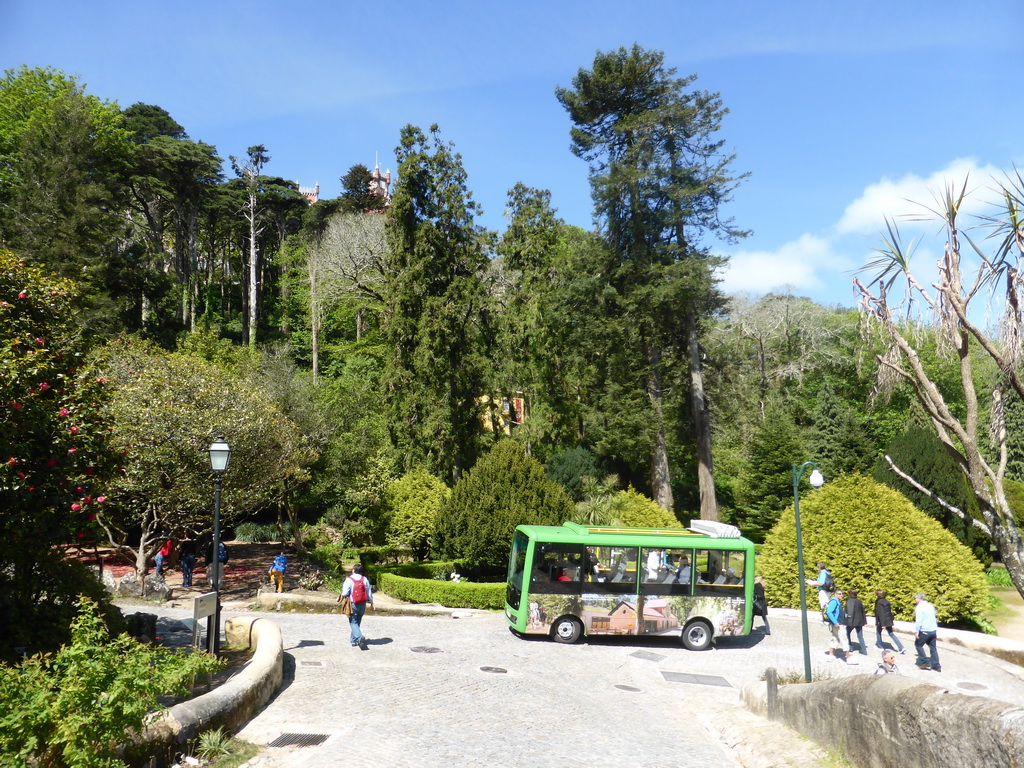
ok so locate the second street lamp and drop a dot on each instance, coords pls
(817, 480)
(220, 456)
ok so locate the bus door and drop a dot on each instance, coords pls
(666, 582)
(721, 585)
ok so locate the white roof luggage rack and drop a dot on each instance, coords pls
(714, 529)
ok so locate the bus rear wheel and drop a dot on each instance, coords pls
(566, 630)
(697, 636)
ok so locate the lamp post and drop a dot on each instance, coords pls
(220, 455)
(817, 480)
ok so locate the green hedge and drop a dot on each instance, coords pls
(448, 593)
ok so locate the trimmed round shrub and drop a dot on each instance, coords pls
(506, 488)
(414, 501)
(637, 511)
(872, 537)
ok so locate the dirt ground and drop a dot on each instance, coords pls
(245, 572)
(1010, 620)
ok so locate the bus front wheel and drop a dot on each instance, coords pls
(566, 630)
(697, 636)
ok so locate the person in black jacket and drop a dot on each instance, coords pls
(884, 620)
(855, 621)
(760, 604)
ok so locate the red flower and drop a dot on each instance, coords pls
(92, 517)
(39, 341)
(72, 450)
(87, 500)
(81, 535)
(17, 406)
(90, 470)
(51, 462)
(21, 295)
(12, 461)
(76, 507)
(101, 499)
(44, 386)
(74, 430)
(63, 411)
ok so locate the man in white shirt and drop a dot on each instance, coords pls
(926, 627)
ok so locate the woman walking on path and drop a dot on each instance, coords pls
(760, 604)
(855, 621)
(884, 620)
(357, 587)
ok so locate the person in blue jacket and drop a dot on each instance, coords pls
(277, 569)
(833, 619)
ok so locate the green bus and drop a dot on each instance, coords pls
(572, 580)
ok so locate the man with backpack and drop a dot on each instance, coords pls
(357, 588)
(826, 586)
(834, 616)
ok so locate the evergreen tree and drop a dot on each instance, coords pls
(658, 180)
(838, 442)
(918, 451)
(767, 482)
(435, 309)
(506, 488)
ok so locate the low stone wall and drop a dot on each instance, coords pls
(889, 720)
(230, 705)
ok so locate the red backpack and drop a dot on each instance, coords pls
(359, 589)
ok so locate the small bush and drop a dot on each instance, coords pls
(447, 593)
(414, 502)
(259, 533)
(637, 511)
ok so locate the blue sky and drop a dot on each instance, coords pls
(838, 113)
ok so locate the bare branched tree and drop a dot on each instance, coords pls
(345, 261)
(995, 281)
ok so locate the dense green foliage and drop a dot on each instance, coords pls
(635, 510)
(872, 537)
(414, 502)
(568, 468)
(75, 707)
(506, 488)
(436, 307)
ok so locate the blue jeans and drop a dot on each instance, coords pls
(927, 640)
(159, 560)
(860, 639)
(354, 620)
(188, 562)
(892, 636)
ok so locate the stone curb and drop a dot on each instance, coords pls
(327, 602)
(232, 704)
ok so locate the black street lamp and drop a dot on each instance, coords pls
(220, 455)
(817, 480)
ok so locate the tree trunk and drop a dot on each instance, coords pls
(661, 479)
(702, 426)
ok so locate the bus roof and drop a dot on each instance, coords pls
(721, 534)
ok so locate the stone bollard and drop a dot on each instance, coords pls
(772, 679)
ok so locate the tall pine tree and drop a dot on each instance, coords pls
(435, 307)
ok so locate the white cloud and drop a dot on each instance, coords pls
(797, 263)
(912, 195)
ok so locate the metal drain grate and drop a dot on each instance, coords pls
(682, 677)
(648, 656)
(299, 740)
